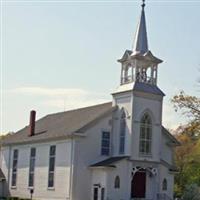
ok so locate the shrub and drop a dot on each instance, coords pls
(192, 192)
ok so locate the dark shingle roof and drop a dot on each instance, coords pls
(61, 124)
(2, 176)
(109, 161)
(148, 88)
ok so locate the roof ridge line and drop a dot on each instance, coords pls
(81, 108)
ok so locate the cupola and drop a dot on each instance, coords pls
(139, 64)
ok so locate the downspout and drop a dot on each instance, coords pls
(72, 168)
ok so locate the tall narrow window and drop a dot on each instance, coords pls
(164, 184)
(95, 193)
(52, 157)
(32, 167)
(117, 182)
(102, 193)
(122, 132)
(105, 143)
(145, 135)
(14, 168)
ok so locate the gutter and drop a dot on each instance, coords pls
(37, 140)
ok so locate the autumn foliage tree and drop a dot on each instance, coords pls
(190, 107)
(188, 154)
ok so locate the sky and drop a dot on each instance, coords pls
(61, 55)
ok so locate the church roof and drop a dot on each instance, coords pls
(148, 88)
(61, 125)
(148, 57)
(125, 56)
(173, 140)
(141, 87)
(65, 124)
(109, 162)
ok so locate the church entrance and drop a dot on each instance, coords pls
(98, 193)
(138, 184)
(95, 193)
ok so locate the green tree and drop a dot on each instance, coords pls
(190, 107)
(187, 158)
(192, 192)
(188, 154)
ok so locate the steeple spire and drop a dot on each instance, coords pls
(140, 42)
(143, 3)
(139, 65)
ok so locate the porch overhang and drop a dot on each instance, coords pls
(109, 162)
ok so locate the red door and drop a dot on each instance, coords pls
(138, 185)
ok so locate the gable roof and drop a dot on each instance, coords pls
(174, 141)
(65, 124)
(109, 161)
(60, 125)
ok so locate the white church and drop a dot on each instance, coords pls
(112, 151)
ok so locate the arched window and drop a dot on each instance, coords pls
(117, 182)
(122, 132)
(164, 184)
(145, 135)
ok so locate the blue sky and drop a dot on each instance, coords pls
(62, 55)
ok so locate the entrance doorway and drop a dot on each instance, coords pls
(95, 193)
(138, 185)
(98, 193)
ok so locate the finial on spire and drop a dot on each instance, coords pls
(143, 4)
(140, 41)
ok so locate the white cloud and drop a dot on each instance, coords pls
(44, 91)
(63, 98)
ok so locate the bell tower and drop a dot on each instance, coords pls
(137, 131)
(138, 95)
(139, 65)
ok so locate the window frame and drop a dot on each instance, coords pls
(145, 138)
(95, 193)
(105, 143)
(117, 182)
(122, 134)
(14, 168)
(102, 193)
(164, 184)
(51, 173)
(32, 161)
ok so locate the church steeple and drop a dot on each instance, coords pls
(139, 65)
(140, 41)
